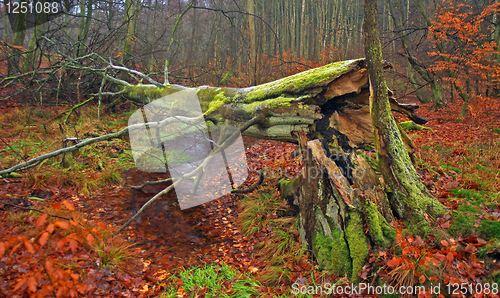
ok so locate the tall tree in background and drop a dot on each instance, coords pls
(252, 46)
(414, 64)
(38, 31)
(17, 42)
(131, 15)
(83, 26)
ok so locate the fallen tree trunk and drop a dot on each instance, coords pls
(330, 102)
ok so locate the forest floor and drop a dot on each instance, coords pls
(219, 248)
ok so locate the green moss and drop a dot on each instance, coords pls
(218, 101)
(461, 224)
(490, 229)
(358, 246)
(490, 247)
(148, 92)
(410, 125)
(382, 234)
(299, 82)
(468, 208)
(333, 254)
(287, 187)
(478, 197)
(271, 103)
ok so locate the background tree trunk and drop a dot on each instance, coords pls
(17, 43)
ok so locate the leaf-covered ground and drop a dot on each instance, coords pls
(56, 222)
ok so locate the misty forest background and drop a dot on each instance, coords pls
(241, 43)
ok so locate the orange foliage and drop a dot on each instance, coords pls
(462, 42)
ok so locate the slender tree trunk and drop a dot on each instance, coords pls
(7, 30)
(407, 195)
(83, 26)
(38, 31)
(130, 34)
(252, 46)
(17, 43)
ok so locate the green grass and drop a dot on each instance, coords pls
(490, 229)
(267, 211)
(214, 280)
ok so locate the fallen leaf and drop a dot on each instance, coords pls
(32, 284)
(90, 239)
(57, 206)
(41, 220)
(43, 239)
(29, 246)
(62, 224)
(101, 225)
(2, 249)
(73, 245)
(68, 205)
(421, 279)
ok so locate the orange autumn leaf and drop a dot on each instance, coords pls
(32, 284)
(62, 224)
(60, 245)
(57, 206)
(90, 239)
(68, 205)
(101, 225)
(43, 239)
(449, 257)
(49, 266)
(20, 284)
(41, 220)
(73, 245)
(29, 246)
(15, 248)
(2, 249)
(181, 292)
(421, 279)
(50, 228)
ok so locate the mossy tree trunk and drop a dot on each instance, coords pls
(408, 196)
(329, 102)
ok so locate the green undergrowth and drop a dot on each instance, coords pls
(476, 166)
(211, 281)
(30, 132)
(473, 208)
(267, 213)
